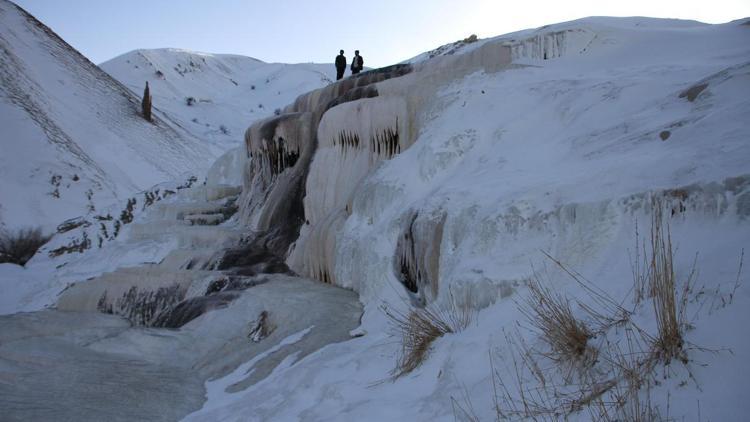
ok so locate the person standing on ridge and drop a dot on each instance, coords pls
(340, 65)
(357, 63)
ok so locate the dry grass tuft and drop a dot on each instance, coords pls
(614, 359)
(420, 327)
(662, 286)
(603, 312)
(618, 389)
(631, 405)
(630, 396)
(550, 313)
(530, 393)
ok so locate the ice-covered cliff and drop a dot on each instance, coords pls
(450, 177)
(509, 135)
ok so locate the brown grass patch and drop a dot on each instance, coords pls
(550, 313)
(662, 285)
(420, 327)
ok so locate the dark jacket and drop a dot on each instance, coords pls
(357, 64)
(340, 62)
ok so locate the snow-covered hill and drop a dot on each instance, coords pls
(453, 181)
(448, 179)
(216, 96)
(72, 136)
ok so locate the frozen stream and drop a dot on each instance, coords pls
(73, 366)
(77, 362)
(49, 370)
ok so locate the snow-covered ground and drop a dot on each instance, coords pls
(558, 140)
(216, 96)
(73, 139)
(125, 373)
(562, 151)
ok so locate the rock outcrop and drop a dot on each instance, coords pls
(305, 165)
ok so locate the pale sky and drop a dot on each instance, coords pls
(294, 31)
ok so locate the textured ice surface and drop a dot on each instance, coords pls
(73, 366)
(50, 371)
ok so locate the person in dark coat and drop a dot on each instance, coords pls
(340, 65)
(357, 63)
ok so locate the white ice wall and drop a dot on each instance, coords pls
(340, 163)
(495, 160)
(551, 45)
(352, 139)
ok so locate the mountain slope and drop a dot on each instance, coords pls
(216, 96)
(72, 136)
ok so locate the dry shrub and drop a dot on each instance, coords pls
(19, 247)
(654, 277)
(550, 313)
(723, 299)
(618, 389)
(637, 407)
(629, 399)
(616, 386)
(626, 404)
(419, 327)
(662, 287)
(534, 391)
(530, 392)
(603, 312)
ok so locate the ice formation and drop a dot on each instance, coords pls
(340, 187)
(349, 128)
(280, 151)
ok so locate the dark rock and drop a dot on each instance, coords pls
(71, 224)
(252, 259)
(192, 308)
(693, 92)
(76, 245)
(231, 283)
(261, 329)
(142, 307)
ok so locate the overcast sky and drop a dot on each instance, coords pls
(293, 31)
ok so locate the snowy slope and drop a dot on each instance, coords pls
(562, 150)
(227, 92)
(72, 137)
